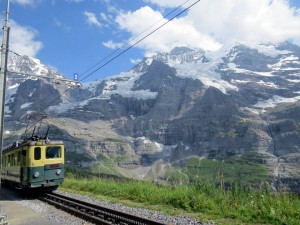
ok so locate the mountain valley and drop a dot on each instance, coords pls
(186, 114)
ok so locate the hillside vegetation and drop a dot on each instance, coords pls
(233, 205)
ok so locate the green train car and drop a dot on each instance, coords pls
(34, 164)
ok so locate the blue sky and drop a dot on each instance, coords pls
(73, 35)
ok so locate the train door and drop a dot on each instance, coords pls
(36, 163)
(24, 166)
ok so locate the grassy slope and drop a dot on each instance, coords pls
(202, 200)
(246, 169)
(224, 205)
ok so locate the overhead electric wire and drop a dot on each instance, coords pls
(184, 10)
(131, 46)
(137, 42)
(133, 38)
(130, 40)
(14, 53)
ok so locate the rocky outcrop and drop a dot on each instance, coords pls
(176, 105)
(33, 96)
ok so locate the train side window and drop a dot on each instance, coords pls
(37, 153)
(12, 159)
(53, 152)
(15, 159)
(24, 157)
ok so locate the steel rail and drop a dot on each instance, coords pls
(95, 213)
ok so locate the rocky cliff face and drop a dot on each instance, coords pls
(176, 105)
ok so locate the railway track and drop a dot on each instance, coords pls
(94, 213)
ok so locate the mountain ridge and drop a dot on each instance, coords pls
(176, 105)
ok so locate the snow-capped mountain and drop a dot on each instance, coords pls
(234, 69)
(178, 55)
(27, 72)
(179, 104)
(29, 65)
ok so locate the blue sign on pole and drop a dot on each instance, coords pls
(76, 76)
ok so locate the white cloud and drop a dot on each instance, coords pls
(210, 23)
(179, 32)
(108, 20)
(24, 2)
(22, 40)
(75, 1)
(92, 19)
(61, 25)
(135, 61)
(105, 17)
(166, 3)
(112, 45)
(246, 21)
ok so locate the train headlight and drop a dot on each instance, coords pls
(36, 174)
(58, 172)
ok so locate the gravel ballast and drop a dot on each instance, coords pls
(56, 216)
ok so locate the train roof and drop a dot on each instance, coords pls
(30, 142)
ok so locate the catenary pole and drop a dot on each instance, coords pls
(3, 70)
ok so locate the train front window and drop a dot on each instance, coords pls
(53, 152)
(37, 153)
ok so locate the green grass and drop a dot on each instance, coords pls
(247, 169)
(236, 205)
(78, 157)
(105, 165)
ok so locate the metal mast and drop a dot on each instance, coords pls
(3, 70)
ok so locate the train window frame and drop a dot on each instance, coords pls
(12, 159)
(37, 153)
(15, 159)
(9, 160)
(19, 157)
(53, 155)
(23, 157)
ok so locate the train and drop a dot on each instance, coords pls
(35, 163)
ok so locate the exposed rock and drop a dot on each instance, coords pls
(173, 106)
